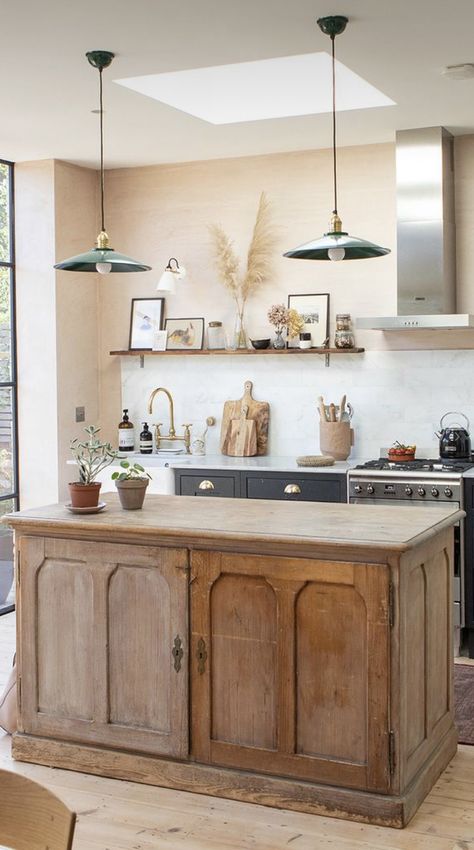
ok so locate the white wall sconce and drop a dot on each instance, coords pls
(171, 274)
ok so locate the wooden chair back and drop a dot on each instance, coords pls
(31, 817)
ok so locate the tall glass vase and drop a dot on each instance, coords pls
(240, 336)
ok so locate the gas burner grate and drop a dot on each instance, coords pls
(421, 465)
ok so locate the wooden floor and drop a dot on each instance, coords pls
(114, 815)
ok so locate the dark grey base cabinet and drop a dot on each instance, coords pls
(291, 486)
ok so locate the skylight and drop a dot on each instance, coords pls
(254, 91)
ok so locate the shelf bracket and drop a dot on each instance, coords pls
(327, 359)
(142, 361)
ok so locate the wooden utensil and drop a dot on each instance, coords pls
(242, 436)
(332, 412)
(322, 409)
(258, 411)
(342, 408)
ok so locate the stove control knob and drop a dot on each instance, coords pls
(421, 491)
(370, 488)
(448, 492)
(357, 488)
(408, 491)
(434, 491)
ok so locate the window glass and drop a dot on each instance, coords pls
(5, 212)
(7, 475)
(5, 325)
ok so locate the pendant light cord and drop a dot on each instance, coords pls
(334, 156)
(102, 188)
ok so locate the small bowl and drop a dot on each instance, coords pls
(260, 343)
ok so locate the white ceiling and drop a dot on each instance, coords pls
(49, 89)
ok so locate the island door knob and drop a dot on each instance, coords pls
(370, 488)
(421, 491)
(357, 488)
(434, 491)
(408, 491)
(448, 492)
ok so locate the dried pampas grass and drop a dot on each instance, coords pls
(259, 257)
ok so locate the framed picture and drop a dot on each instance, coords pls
(159, 340)
(146, 318)
(315, 312)
(184, 334)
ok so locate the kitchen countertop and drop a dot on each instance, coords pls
(267, 463)
(202, 522)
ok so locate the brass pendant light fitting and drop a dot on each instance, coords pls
(336, 244)
(102, 258)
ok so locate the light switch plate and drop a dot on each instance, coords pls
(80, 414)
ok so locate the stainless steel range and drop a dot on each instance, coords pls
(420, 483)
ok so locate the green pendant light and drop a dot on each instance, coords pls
(102, 258)
(336, 244)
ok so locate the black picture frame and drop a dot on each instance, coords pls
(321, 305)
(153, 317)
(188, 324)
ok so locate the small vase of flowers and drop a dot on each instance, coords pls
(282, 319)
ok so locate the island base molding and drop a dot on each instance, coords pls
(242, 786)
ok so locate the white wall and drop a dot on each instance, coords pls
(396, 395)
(57, 312)
(164, 211)
(68, 323)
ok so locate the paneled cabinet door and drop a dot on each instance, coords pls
(104, 650)
(289, 666)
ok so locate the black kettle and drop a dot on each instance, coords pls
(454, 440)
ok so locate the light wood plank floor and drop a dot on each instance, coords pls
(114, 815)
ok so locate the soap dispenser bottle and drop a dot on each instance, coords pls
(146, 440)
(126, 434)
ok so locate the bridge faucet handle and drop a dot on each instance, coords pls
(186, 425)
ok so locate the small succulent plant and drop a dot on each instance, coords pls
(91, 456)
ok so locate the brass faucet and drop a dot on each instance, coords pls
(186, 438)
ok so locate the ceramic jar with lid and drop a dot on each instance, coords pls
(344, 336)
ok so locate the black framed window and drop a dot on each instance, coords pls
(8, 380)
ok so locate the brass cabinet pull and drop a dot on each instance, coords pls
(206, 485)
(177, 653)
(201, 655)
(292, 489)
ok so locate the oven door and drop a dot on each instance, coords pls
(458, 580)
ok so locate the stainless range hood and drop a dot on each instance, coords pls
(426, 237)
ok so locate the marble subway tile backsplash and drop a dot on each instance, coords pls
(396, 395)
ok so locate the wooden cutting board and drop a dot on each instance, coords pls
(258, 411)
(241, 438)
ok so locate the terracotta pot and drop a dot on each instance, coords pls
(84, 495)
(132, 493)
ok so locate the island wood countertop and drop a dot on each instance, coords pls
(215, 523)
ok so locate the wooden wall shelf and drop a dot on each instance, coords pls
(240, 352)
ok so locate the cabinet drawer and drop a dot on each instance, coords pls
(328, 488)
(207, 483)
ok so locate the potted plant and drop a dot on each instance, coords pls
(91, 456)
(131, 485)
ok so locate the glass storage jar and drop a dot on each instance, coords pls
(344, 336)
(215, 335)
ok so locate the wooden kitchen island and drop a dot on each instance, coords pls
(296, 655)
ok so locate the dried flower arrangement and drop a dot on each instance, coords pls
(281, 317)
(259, 261)
(295, 323)
(278, 317)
